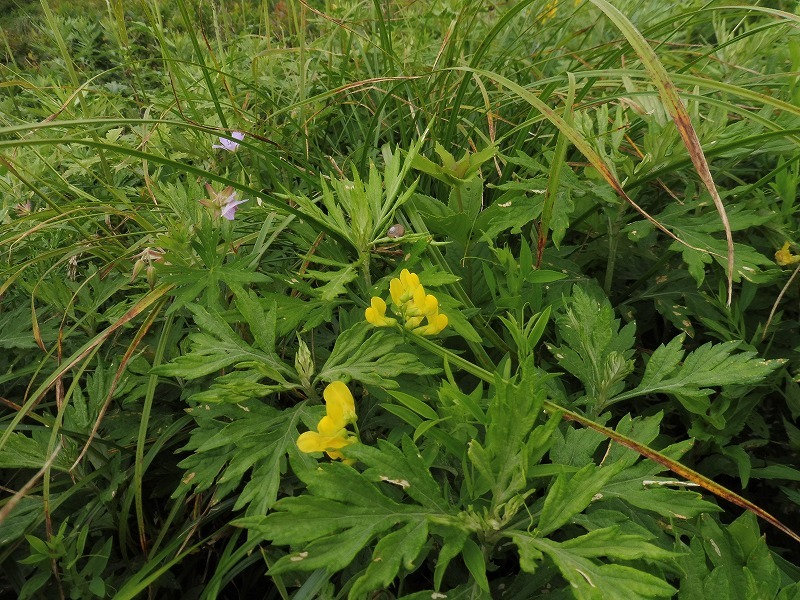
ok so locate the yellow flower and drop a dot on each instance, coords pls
(411, 304)
(331, 434)
(402, 289)
(549, 11)
(339, 404)
(376, 313)
(435, 324)
(785, 257)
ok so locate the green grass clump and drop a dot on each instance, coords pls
(598, 200)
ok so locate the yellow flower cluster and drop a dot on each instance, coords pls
(551, 9)
(331, 434)
(411, 304)
(785, 257)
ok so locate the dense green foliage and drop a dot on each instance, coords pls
(164, 344)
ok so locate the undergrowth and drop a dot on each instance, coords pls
(399, 300)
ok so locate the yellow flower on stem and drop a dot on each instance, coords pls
(402, 288)
(411, 304)
(376, 313)
(331, 434)
(785, 257)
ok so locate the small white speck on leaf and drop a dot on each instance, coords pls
(298, 557)
(401, 482)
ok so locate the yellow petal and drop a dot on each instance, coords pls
(378, 305)
(396, 291)
(311, 441)
(435, 325)
(340, 407)
(785, 257)
(430, 306)
(376, 313)
(418, 300)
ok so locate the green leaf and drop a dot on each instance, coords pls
(415, 404)
(341, 513)
(394, 550)
(335, 282)
(570, 494)
(592, 580)
(402, 468)
(692, 378)
(31, 452)
(371, 359)
(251, 447)
(594, 348)
(611, 542)
(218, 346)
(16, 332)
(262, 323)
(454, 540)
(638, 484)
(510, 418)
(476, 563)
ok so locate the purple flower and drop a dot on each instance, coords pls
(224, 203)
(230, 207)
(230, 145)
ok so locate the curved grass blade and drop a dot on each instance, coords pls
(676, 110)
(274, 203)
(580, 143)
(79, 355)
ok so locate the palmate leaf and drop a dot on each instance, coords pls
(218, 346)
(692, 378)
(591, 579)
(344, 510)
(376, 362)
(250, 448)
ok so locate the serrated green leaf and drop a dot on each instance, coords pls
(394, 550)
(370, 356)
(340, 514)
(591, 580)
(692, 378)
(611, 542)
(595, 349)
(262, 323)
(454, 539)
(403, 468)
(510, 418)
(570, 494)
(251, 448)
(31, 452)
(16, 332)
(335, 282)
(218, 346)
